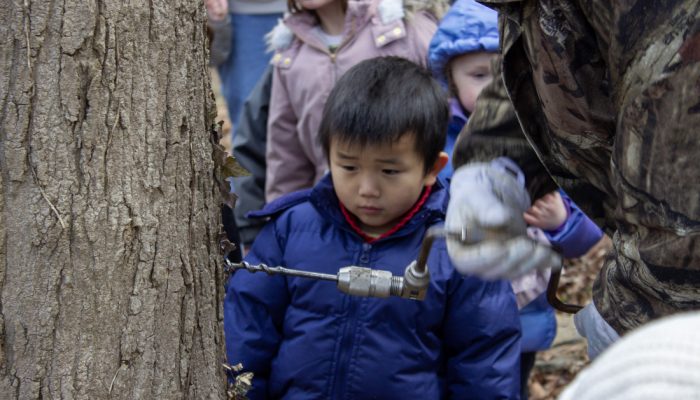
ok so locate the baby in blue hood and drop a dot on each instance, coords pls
(460, 57)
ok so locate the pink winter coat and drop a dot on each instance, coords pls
(305, 72)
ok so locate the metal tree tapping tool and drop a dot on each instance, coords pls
(357, 281)
(367, 282)
(361, 281)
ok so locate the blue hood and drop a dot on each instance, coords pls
(467, 27)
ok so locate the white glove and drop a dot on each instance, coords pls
(491, 197)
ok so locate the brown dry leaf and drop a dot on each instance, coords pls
(232, 168)
(242, 382)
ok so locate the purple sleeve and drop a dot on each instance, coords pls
(578, 233)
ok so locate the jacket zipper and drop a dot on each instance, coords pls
(333, 55)
(347, 340)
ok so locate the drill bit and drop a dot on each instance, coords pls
(279, 271)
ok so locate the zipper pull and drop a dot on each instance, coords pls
(332, 52)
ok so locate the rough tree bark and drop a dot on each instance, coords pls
(110, 280)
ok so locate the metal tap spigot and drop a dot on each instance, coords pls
(360, 281)
(416, 277)
(413, 285)
(415, 282)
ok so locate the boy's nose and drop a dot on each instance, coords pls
(368, 187)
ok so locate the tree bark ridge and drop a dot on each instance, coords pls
(109, 269)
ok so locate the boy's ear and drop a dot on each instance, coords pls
(439, 164)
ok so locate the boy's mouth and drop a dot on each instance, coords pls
(370, 209)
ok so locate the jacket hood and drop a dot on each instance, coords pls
(281, 36)
(467, 27)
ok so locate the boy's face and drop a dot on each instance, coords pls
(471, 72)
(380, 183)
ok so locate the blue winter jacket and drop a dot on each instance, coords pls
(304, 339)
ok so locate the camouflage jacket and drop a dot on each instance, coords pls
(608, 95)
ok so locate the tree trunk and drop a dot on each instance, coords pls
(110, 279)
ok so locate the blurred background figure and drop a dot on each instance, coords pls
(315, 45)
(218, 30)
(249, 149)
(250, 20)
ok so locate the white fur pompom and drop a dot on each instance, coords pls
(279, 38)
(390, 10)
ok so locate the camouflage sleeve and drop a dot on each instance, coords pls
(607, 94)
(655, 173)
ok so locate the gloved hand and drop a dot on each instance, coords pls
(492, 197)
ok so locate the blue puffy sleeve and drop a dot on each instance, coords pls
(254, 309)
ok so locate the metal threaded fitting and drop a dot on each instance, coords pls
(396, 285)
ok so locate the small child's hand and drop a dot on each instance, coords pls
(548, 213)
(216, 9)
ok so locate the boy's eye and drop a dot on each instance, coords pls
(390, 171)
(348, 167)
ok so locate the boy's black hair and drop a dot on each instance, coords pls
(379, 100)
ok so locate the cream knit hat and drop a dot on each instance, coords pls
(658, 361)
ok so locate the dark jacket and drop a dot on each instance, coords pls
(249, 149)
(304, 339)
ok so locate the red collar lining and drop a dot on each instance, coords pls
(407, 217)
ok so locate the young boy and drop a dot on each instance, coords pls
(383, 130)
